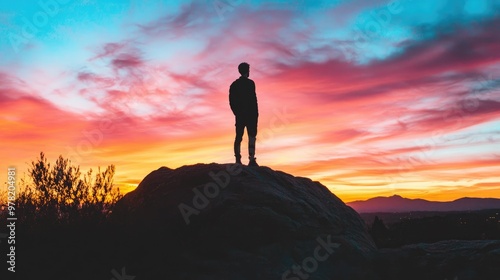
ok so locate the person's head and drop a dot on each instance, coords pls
(244, 69)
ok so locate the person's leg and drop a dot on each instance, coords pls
(252, 139)
(240, 129)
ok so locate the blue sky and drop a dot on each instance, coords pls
(363, 85)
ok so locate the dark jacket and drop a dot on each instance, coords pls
(243, 99)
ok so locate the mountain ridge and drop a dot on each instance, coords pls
(397, 203)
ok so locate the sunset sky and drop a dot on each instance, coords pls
(371, 98)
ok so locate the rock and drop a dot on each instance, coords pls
(225, 221)
(450, 259)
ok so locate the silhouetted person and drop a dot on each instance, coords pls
(243, 101)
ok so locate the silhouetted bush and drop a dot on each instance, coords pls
(379, 232)
(3, 205)
(59, 194)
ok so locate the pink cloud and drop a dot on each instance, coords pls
(127, 60)
(180, 104)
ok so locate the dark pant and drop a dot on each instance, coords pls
(251, 125)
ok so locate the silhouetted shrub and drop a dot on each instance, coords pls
(379, 232)
(3, 205)
(59, 194)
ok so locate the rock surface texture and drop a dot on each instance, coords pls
(233, 222)
(225, 221)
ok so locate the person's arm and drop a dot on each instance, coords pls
(232, 99)
(254, 96)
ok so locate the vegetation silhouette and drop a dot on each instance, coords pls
(379, 232)
(58, 194)
(70, 226)
(433, 227)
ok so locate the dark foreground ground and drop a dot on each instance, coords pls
(246, 223)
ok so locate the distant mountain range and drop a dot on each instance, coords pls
(397, 203)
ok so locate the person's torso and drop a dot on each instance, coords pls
(244, 94)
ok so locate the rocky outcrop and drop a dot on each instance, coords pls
(225, 221)
(221, 221)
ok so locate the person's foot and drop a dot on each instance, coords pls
(238, 160)
(252, 162)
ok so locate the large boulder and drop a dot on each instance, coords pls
(226, 221)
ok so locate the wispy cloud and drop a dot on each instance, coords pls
(365, 115)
